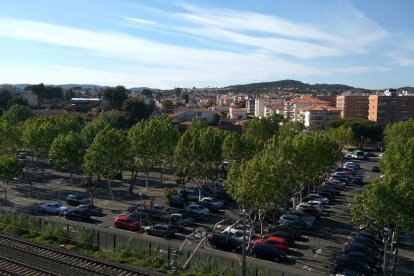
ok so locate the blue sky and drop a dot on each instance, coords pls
(167, 44)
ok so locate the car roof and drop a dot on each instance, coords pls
(278, 239)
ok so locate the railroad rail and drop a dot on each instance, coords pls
(12, 267)
(72, 259)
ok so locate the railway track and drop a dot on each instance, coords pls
(12, 267)
(72, 259)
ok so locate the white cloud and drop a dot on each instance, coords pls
(163, 65)
(359, 69)
(140, 21)
(348, 29)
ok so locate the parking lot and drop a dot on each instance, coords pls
(313, 254)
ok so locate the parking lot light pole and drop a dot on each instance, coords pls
(244, 244)
(385, 233)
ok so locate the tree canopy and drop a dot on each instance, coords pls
(105, 156)
(9, 169)
(115, 96)
(17, 113)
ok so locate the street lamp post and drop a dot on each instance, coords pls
(244, 244)
(385, 234)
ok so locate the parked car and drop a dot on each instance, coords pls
(376, 169)
(211, 207)
(267, 252)
(213, 201)
(344, 262)
(197, 209)
(156, 212)
(359, 180)
(180, 220)
(126, 223)
(310, 204)
(305, 217)
(285, 228)
(277, 242)
(309, 197)
(54, 208)
(288, 236)
(367, 242)
(290, 218)
(225, 242)
(177, 202)
(74, 200)
(78, 214)
(92, 209)
(355, 247)
(372, 262)
(161, 230)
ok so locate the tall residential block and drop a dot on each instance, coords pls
(390, 107)
(353, 106)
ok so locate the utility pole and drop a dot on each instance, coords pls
(244, 244)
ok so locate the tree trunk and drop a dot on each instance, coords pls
(146, 179)
(109, 182)
(161, 171)
(5, 193)
(134, 174)
(71, 177)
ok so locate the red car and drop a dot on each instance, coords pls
(277, 242)
(126, 223)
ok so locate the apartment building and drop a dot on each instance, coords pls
(353, 106)
(273, 109)
(390, 107)
(292, 108)
(236, 113)
(318, 115)
(260, 103)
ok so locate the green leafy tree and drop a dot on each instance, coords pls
(115, 96)
(10, 137)
(90, 131)
(5, 97)
(291, 128)
(152, 143)
(38, 136)
(257, 132)
(342, 135)
(9, 169)
(105, 156)
(67, 150)
(381, 204)
(167, 106)
(198, 153)
(137, 110)
(67, 123)
(147, 93)
(363, 131)
(17, 113)
(401, 130)
(233, 147)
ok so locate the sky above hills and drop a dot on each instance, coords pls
(167, 44)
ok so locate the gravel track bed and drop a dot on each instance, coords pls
(42, 263)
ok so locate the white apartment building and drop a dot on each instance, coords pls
(260, 103)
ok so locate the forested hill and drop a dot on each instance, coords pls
(288, 84)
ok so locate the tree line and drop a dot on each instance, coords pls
(388, 202)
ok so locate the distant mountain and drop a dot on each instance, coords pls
(407, 88)
(287, 84)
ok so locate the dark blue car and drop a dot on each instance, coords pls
(267, 252)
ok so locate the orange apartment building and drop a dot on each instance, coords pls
(390, 107)
(356, 106)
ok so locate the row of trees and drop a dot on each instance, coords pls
(388, 202)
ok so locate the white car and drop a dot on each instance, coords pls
(213, 201)
(238, 233)
(324, 200)
(54, 208)
(304, 205)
